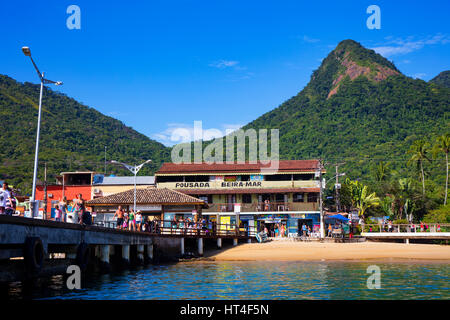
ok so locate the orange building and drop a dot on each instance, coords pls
(68, 184)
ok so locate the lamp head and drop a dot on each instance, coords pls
(58, 83)
(26, 51)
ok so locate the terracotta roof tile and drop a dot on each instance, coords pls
(284, 165)
(146, 196)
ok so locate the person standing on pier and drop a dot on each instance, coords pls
(119, 215)
(138, 220)
(5, 198)
(131, 220)
(63, 208)
(78, 208)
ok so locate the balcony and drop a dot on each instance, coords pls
(263, 207)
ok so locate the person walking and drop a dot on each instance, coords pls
(330, 230)
(119, 215)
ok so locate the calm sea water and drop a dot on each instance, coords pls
(254, 280)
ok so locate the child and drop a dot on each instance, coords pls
(58, 213)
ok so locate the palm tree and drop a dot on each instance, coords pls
(419, 150)
(443, 145)
(381, 171)
(365, 200)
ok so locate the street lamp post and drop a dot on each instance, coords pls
(27, 52)
(134, 170)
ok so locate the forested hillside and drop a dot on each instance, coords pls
(73, 136)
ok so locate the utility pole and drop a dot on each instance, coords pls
(337, 187)
(322, 230)
(45, 192)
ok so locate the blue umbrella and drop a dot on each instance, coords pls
(339, 217)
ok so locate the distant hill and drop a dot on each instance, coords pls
(73, 136)
(360, 108)
(442, 79)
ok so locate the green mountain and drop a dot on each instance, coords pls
(358, 108)
(73, 136)
(442, 79)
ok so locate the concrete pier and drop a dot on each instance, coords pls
(105, 251)
(150, 252)
(182, 246)
(126, 254)
(200, 246)
(219, 243)
(140, 254)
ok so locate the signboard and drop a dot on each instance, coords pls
(237, 207)
(149, 207)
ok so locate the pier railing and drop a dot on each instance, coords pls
(169, 227)
(263, 207)
(412, 227)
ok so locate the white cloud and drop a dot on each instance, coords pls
(310, 40)
(181, 132)
(222, 64)
(419, 75)
(398, 46)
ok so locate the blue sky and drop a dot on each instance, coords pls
(161, 65)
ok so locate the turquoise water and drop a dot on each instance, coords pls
(257, 280)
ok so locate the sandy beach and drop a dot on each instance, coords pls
(313, 251)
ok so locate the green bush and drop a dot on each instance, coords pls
(440, 215)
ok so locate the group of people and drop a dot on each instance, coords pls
(129, 221)
(8, 202)
(75, 213)
(189, 225)
(278, 230)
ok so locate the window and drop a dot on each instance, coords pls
(298, 197)
(312, 197)
(207, 198)
(246, 198)
(278, 177)
(196, 178)
(304, 176)
(169, 179)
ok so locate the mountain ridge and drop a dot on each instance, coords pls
(73, 136)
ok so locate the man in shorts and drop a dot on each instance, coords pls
(119, 215)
